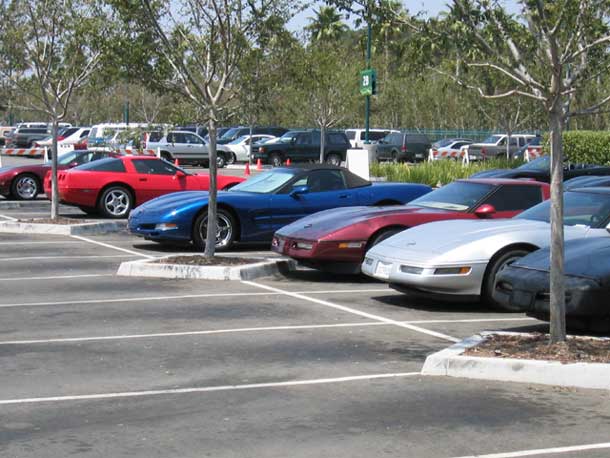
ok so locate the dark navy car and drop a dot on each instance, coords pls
(253, 210)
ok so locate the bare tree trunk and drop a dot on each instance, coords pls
(322, 142)
(557, 296)
(210, 245)
(54, 188)
(250, 144)
(508, 135)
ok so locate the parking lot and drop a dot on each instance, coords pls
(303, 365)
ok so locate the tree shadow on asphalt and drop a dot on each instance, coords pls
(420, 303)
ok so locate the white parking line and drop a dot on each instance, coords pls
(54, 242)
(163, 298)
(10, 218)
(355, 312)
(543, 451)
(238, 330)
(113, 247)
(206, 389)
(40, 258)
(57, 277)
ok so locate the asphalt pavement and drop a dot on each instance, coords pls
(304, 365)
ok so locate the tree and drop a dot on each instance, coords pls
(548, 55)
(203, 42)
(53, 47)
(326, 25)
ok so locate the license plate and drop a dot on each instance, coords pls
(383, 269)
(419, 155)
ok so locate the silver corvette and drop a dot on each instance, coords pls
(460, 259)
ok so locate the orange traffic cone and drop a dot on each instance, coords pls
(177, 163)
(259, 164)
(247, 171)
(288, 161)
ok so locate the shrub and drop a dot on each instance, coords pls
(433, 173)
(584, 146)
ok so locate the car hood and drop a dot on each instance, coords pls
(173, 201)
(318, 225)
(582, 259)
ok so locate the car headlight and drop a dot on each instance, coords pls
(411, 270)
(166, 226)
(303, 245)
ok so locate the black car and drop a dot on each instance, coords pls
(540, 170)
(236, 132)
(303, 146)
(524, 285)
(403, 146)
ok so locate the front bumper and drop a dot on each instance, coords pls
(528, 291)
(413, 275)
(148, 228)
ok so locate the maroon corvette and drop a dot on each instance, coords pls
(26, 182)
(336, 240)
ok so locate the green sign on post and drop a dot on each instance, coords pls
(368, 82)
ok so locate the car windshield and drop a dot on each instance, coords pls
(230, 134)
(67, 158)
(239, 140)
(580, 208)
(542, 163)
(492, 139)
(457, 196)
(287, 137)
(264, 183)
(442, 143)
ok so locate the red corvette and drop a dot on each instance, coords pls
(114, 186)
(336, 240)
(26, 182)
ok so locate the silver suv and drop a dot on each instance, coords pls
(495, 146)
(187, 147)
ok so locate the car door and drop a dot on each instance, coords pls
(326, 189)
(156, 177)
(301, 146)
(195, 147)
(509, 200)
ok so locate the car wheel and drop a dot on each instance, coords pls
(385, 234)
(275, 159)
(333, 159)
(495, 266)
(25, 187)
(89, 210)
(221, 161)
(225, 232)
(232, 159)
(115, 202)
(394, 157)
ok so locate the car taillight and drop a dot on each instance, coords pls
(60, 138)
(404, 148)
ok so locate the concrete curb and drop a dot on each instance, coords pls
(90, 228)
(152, 268)
(450, 362)
(11, 205)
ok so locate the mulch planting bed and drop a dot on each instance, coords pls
(537, 346)
(203, 261)
(60, 220)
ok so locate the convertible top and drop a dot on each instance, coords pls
(352, 180)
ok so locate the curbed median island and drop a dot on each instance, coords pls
(202, 268)
(62, 226)
(581, 362)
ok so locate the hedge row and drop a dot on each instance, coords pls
(435, 173)
(584, 146)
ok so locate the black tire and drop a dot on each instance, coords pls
(275, 159)
(89, 210)
(25, 187)
(168, 157)
(385, 234)
(333, 159)
(221, 160)
(232, 159)
(394, 157)
(496, 264)
(115, 202)
(228, 234)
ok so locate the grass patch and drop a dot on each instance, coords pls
(437, 172)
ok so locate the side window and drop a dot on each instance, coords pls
(179, 138)
(336, 139)
(191, 139)
(83, 158)
(514, 198)
(325, 180)
(153, 167)
(107, 165)
(304, 139)
(514, 141)
(84, 134)
(502, 142)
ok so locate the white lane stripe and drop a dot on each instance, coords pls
(206, 389)
(113, 247)
(238, 330)
(57, 277)
(355, 312)
(10, 218)
(40, 258)
(543, 451)
(54, 242)
(162, 298)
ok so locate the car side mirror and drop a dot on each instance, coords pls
(485, 211)
(296, 192)
(72, 164)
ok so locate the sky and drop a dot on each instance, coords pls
(432, 7)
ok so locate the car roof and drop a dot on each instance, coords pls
(307, 167)
(505, 181)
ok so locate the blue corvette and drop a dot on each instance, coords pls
(254, 209)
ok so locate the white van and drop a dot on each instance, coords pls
(356, 136)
